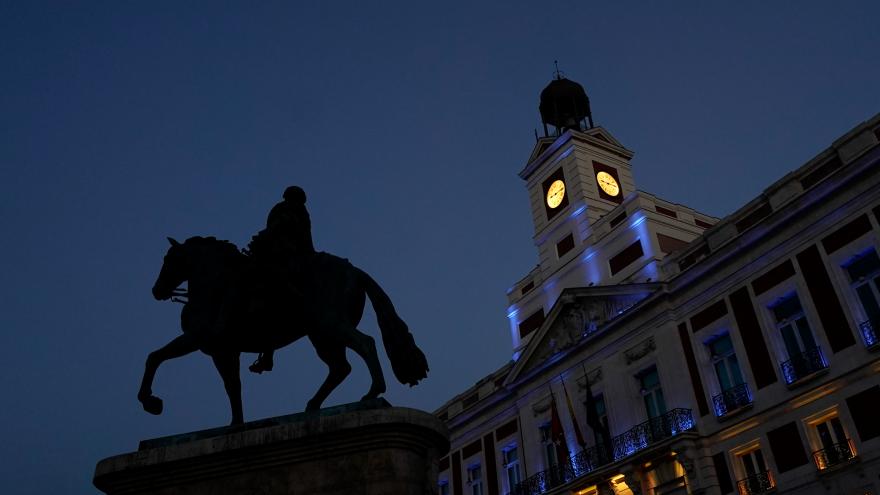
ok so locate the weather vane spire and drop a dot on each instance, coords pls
(558, 73)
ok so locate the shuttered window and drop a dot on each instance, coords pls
(624, 258)
(863, 409)
(787, 447)
(723, 473)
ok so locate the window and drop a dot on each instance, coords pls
(757, 478)
(734, 391)
(564, 246)
(804, 355)
(475, 479)
(864, 276)
(531, 323)
(787, 447)
(444, 487)
(725, 363)
(652, 393)
(862, 409)
(510, 459)
(834, 445)
(627, 256)
(548, 444)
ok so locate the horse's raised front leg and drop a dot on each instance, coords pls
(365, 347)
(181, 346)
(333, 354)
(228, 366)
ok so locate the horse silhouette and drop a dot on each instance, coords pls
(224, 316)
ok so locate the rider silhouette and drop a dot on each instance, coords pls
(286, 242)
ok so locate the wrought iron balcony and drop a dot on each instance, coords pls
(835, 455)
(803, 364)
(756, 483)
(652, 431)
(588, 460)
(869, 334)
(545, 480)
(731, 399)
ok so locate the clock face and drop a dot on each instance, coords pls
(555, 193)
(607, 183)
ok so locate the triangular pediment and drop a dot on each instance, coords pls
(540, 147)
(596, 136)
(578, 315)
(602, 135)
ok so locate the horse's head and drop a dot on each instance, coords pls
(173, 273)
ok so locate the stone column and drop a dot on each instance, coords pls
(350, 449)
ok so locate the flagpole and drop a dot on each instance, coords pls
(579, 436)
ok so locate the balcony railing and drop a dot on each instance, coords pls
(652, 431)
(732, 399)
(756, 483)
(869, 334)
(636, 438)
(803, 364)
(558, 474)
(834, 455)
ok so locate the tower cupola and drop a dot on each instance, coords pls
(564, 105)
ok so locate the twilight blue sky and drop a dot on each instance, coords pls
(406, 123)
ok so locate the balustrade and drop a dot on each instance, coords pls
(757, 483)
(834, 455)
(803, 364)
(731, 399)
(588, 460)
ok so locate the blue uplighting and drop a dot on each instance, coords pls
(640, 219)
(868, 334)
(790, 375)
(564, 154)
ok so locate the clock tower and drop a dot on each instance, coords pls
(576, 174)
(591, 226)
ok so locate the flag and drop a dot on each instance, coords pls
(577, 429)
(557, 434)
(600, 429)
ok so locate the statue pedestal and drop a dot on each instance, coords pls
(360, 448)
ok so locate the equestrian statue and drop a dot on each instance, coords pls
(269, 295)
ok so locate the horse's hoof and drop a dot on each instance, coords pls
(374, 393)
(311, 406)
(236, 422)
(152, 404)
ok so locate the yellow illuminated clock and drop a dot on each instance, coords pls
(555, 193)
(608, 184)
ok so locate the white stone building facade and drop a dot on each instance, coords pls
(737, 355)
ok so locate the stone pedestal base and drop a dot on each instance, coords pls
(353, 449)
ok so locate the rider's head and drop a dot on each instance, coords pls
(295, 194)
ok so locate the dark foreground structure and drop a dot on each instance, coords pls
(657, 350)
(366, 448)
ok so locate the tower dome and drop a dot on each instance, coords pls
(565, 105)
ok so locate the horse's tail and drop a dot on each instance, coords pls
(407, 360)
